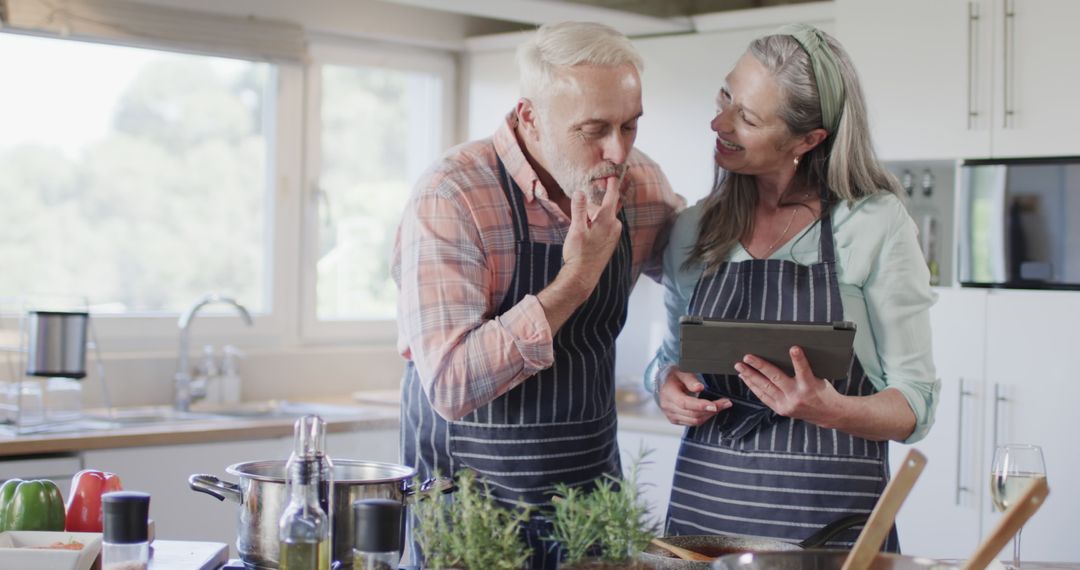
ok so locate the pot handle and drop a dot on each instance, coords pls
(215, 487)
(440, 485)
(832, 529)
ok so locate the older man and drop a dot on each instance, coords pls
(515, 259)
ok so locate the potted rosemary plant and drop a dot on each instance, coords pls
(604, 528)
(469, 531)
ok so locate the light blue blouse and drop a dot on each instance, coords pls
(884, 286)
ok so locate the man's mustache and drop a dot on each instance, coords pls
(610, 169)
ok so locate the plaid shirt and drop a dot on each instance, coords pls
(454, 258)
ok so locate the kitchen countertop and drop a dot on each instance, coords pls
(192, 431)
(375, 409)
(187, 555)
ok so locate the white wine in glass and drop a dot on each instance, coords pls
(1015, 467)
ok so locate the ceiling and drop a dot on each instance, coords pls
(632, 17)
(681, 8)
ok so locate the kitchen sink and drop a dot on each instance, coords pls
(150, 414)
(272, 409)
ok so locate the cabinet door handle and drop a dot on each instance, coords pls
(998, 399)
(960, 488)
(972, 63)
(1008, 63)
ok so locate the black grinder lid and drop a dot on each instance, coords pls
(377, 525)
(124, 516)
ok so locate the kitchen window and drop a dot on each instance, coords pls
(378, 121)
(135, 177)
(143, 178)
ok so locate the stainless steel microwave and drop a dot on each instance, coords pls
(1018, 223)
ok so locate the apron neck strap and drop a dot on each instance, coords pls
(514, 197)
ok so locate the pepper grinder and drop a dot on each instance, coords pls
(377, 539)
(125, 541)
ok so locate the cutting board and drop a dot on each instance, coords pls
(187, 555)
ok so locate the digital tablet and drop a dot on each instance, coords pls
(713, 346)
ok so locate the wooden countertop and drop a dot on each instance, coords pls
(189, 431)
(375, 409)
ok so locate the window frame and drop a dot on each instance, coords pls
(340, 51)
(291, 232)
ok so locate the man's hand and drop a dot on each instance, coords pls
(586, 252)
(592, 238)
(680, 404)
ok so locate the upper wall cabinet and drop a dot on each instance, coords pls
(984, 78)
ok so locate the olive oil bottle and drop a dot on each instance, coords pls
(304, 527)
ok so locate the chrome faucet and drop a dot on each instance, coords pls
(183, 391)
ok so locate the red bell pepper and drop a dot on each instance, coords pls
(84, 501)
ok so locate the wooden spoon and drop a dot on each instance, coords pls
(682, 552)
(1015, 517)
(881, 518)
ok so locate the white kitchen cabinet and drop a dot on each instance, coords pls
(1014, 353)
(182, 514)
(983, 78)
(656, 473)
(178, 512)
(369, 445)
(941, 517)
(58, 468)
(1033, 383)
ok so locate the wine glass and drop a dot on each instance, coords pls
(1015, 467)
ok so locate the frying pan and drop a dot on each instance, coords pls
(714, 545)
(870, 539)
(1014, 518)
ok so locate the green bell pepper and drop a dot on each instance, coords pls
(31, 505)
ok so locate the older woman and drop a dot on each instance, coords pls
(803, 225)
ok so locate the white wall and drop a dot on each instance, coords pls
(682, 75)
(266, 374)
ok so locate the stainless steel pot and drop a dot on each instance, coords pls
(722, 544)
(821, 560)
(261, 493)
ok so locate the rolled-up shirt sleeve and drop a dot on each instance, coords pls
(678, 283)
(465, 355)
(898, 300)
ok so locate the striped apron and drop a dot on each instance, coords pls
(557, 426)
(748, 471)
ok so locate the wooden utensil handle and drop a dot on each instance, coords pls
(1015, 517)
(881, 518)
(682, 552)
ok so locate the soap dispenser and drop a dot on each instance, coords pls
(230, 375)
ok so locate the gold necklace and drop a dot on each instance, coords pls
(769, 251)
(794, 210)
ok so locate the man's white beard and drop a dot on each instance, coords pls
(573, 179)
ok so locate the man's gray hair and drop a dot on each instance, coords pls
(567, 44)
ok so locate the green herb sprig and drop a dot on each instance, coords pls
(610, 522)
(469, 530)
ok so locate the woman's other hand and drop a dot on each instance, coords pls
(804, 397)
(680, 403)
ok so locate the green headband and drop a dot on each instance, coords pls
(826, 71)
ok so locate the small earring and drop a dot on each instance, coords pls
(796, 161)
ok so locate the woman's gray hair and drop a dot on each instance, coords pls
(567, 44)
(844, 162)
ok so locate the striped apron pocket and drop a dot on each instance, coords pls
(523, 462)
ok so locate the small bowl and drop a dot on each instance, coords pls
(18, 552)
